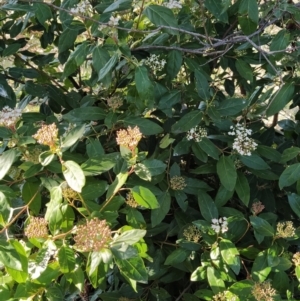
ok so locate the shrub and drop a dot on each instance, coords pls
(147, 150)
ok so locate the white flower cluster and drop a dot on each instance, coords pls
(196, 133)
(173, 4)
(242, 143)
(220, 224)
(155, 63)
(9, 116)
(81, 8)
(113, 21)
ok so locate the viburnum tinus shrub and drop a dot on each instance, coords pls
(149, 150)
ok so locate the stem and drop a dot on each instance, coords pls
(19, 213)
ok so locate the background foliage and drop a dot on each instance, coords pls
(204, 204)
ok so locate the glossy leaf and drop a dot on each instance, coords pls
(74, 175)
(227, 172)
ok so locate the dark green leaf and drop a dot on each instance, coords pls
(177, 256)
(118, 5)
(242, 188)
(146, 126)
(207, 206)
(144, 85)
(290, 175)
(209, 148)
(214, 279)
(231, 106)
(202, 85)
(255, 162)
(294, 201)
(250, 8)
(215, 7)
(261, 226)
(280, 98)
(160, 15)
(157, 215)
(85, 114)
(227, 172)
(31, 194)
(188, 121)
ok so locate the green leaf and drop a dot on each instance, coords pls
(118, 5)
(107, 68)
(11, 49)
(157, 215)
(250, 8)
(42, 13)
(227, 172)
(209, 148)
(174, 62)
(202, 85)
(290, 175)
(177, 256)
(244, 69)
(93, 189)
(294, 201)
(215, 7)
(261, 226)
(144, 86)
(231, 106)
(45, 158)
(281, 41)
(6, 160)
(66, 259)
(30, 193)
(161, 16)
(144, 197)
(289, 154)
(260, 269)
(247, 25)
(155, 167)
(146, 126)
(9, 257)
(133, 268)
(214, 279)
(188, 121)
(74, 175)
(169, 99)
(72, 137)
(85, 114)
(119, 181)
(207, 206)
(230, 255)
(129, 237)
(280, 98)
(99, 164)
(242, 188)
(269, 153)
(100, 58)
(5, 132)
(5, 209)
(67, 39)
(255, 162)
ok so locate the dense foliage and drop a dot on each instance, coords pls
(147, 152)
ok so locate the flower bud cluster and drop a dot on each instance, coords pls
(263, 291)
(257, 208)
(155, 63)
(130, 201)
(113, 21)
(196, 133)
(9, 116)
(220, 225)
(177, 183)
(172, 4)
(296, 259)
(69, 193)
(192, 233)
(242, 143)
(93, 236)
(129, 138)
(47, 135)
(32, 155)
(285, 229)
(37, 228)
(81, 7)
(114, 102)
